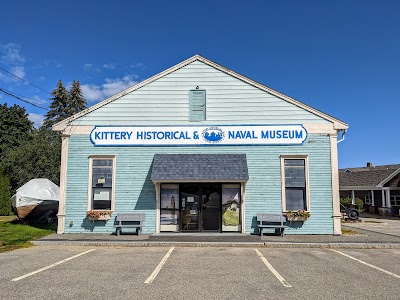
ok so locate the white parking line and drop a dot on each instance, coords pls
(272, 269)
(367, 264)
(160, 265)
(51, 266)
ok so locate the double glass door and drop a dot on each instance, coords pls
(200, 207)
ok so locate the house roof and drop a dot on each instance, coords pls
(367, 176)
(338, 124)
(193, 167)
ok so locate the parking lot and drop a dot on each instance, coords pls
(69, 272)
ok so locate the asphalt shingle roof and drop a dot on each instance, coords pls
(199, 167)
(367, 176)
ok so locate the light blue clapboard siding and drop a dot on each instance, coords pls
(136, 192)
(229, 101)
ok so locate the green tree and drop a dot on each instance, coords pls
(37, 158)
(59, 106)
(15, 127)
(77, 102)
(5, 197)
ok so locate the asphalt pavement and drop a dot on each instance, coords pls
(70, 272)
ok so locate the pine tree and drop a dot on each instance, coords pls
(77, 102)
(5, 197)
(59, 106)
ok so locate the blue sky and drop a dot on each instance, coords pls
(341, 57)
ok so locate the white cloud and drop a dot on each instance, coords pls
(39, 101)
(92, 92)
(91, 67)
(17, 71)
(87, 67)
(37, 119)
(139, 66)
(95, 93)
(59, 65)
(109, 66)
(10, 54)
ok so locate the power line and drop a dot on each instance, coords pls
(15, 93)
(25, 80)
(26, 101)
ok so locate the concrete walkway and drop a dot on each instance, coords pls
(371, 233)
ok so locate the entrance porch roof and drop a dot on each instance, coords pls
(199, 168)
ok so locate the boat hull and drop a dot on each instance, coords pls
(35, 211)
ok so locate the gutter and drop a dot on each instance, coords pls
(343, 134)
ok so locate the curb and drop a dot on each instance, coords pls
(222, 244)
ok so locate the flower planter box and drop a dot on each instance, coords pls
(296, 219)
(100, 218)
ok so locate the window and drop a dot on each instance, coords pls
(101, 189)
(368, 198)
(295, 191)
(395, 200)
(197, 105)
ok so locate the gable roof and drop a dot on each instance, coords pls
(368, 176)
(338, 124)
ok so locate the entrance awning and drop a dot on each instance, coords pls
(199, 168)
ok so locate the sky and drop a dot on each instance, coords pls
(341, 57)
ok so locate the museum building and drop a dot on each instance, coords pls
(199, 148)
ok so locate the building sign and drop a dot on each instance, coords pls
(198, 135)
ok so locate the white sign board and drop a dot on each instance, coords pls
(198, 135)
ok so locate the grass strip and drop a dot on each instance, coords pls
(349, 232)
(14, 236)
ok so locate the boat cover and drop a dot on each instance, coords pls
(35, 191)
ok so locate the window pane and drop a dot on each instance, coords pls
(98, 173)
(101, 194)
(102, 162)
(295, 177)
(295, 173)
(106, 205)
(170, 196)
(102, 198)
(169, 217)
(295, 199)
(295, 162)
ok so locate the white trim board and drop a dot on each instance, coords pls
(390, 177)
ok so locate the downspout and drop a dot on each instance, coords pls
(343, 134)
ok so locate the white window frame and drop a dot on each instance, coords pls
(306, 166)
(90, 187)
(395, 200)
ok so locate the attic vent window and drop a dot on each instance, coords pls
(197, 105)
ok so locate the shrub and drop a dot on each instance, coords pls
(347, 202)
